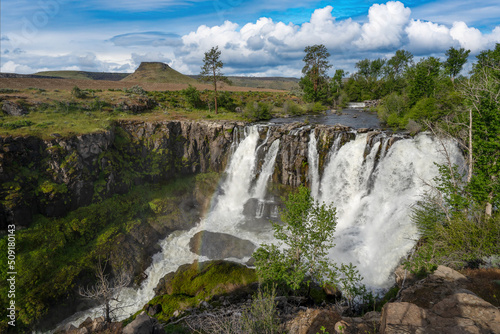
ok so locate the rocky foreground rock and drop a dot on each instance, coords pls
(440, 303)
(437, 304)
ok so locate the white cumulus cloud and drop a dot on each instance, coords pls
(425, 37)
(385, 26)
(469, 38)
(261, 47)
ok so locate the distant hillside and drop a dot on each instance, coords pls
(263, 82)
(158, 73)
(17, 76)
(82, 75)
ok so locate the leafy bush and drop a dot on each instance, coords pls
(262, 315)
(315, 108)
(226, 101)
(78, 93)
(392, 110)
(136, 90)
(292, 108)
(192, 97)
(8, 90)
(454, 229)
(97, 105)
(258, 111)
(424, 109)
(307, 234)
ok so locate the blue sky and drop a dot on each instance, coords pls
(259, 38)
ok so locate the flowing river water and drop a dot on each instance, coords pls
(373, 187)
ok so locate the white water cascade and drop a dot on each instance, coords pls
(313, 159)
(372, 188)
(374, 200)
(226, 217)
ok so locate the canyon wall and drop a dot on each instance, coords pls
(55, 176)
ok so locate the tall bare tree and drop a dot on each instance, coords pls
(105, 290)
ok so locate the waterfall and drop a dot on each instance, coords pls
(372, 185)
(373, 201)
(313, 158)
(240, 174)
(259, 191)
(226, 217)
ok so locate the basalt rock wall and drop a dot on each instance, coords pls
(55, 176)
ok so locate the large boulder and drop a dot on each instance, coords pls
(440, 304)
(144, 324)
(310, 321)
(220, 245)
(14, 109)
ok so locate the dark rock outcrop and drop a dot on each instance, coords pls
(55, 176)
(14, 109)
(220, 245)
(143, 324)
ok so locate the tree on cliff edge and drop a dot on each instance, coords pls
(211, 70)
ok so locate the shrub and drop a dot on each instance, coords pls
(318, 107)
(258, 111)
(455, 230)
(424, 109)
(292, 108)
(17, 124)
(192, 97)
(226, 101)
(78, 93)
(136, 90)
(262, 315)
(393, 109)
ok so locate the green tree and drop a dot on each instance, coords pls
(307, 234)
(370, 69)
(394, 71)
(397, 65)
(315, 69)
(376, 68)
(481, 92)
(363, 67)
(455, 61)
(211, 70)
(423, 78)
(336, 82)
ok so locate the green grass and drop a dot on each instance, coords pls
(77, 75)
(60, 112)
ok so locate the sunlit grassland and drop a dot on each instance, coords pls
(64, 113)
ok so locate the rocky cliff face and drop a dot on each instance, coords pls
(55, 176)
